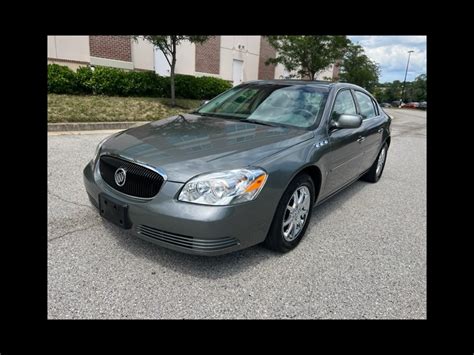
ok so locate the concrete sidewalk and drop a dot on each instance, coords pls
(92, 126)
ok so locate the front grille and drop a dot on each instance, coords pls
(140, 181)
(187, 242)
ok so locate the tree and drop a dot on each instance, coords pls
(358, 69)
(308, 55)
(416, 91)
(380, 92)
(168, 44)
(394, 90)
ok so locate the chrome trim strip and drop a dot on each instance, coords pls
(186, 242)
(145, 165)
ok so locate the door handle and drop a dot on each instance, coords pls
(361, 139)
(380, 130)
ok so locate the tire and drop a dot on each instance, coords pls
(373, 175)
(277, 239)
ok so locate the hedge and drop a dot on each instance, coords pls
(61, 80)
(118, 82)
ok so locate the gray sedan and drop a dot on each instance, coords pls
(246, 167)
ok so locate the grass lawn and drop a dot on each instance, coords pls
(73, 108)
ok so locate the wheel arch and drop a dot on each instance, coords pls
(315, 173)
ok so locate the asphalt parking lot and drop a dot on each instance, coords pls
(363, 256)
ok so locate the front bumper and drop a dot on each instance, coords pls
(186, 227)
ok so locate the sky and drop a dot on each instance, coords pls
(391, 53)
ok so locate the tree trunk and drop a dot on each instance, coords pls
(173, 99)
(173, 64)
(311, 76)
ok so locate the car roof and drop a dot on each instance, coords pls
(319, 83)
(291, 82)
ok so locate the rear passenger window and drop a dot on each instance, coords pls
(367, 109)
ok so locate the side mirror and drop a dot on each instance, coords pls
(346, 121)
(203, 102)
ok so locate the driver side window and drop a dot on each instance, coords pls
(344, 104)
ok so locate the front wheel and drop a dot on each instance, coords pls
(292, 215)
(375, 171)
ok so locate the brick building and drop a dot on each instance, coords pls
(233, 58)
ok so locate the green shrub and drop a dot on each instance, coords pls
(143, 84)
(210, 87)
(118, 82)
(108, 81)
(186, 87)
(61, 80)
(197, 88)
(84, 80)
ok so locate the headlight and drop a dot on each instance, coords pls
(224, 188)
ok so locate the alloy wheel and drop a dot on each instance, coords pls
(381, 161)
(296, 213)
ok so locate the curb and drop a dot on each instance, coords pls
(92, 126)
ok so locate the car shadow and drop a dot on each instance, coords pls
(323, 210)
(224, 265)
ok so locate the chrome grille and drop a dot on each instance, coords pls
(140, 181)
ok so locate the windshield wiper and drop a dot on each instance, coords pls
(257, 122)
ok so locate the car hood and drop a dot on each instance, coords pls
(190, 145)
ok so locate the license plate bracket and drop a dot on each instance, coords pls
(114, 211)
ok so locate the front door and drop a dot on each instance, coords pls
(346, 153)
(237, 71)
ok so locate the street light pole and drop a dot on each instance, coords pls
(405, 79)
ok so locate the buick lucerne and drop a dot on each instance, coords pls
(247, 167)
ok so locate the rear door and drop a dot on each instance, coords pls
(345, 156)
(372, 128)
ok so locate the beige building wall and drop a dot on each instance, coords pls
(142, 55)
(74, 52)
(280, 71)
(226, 64)
(249, 54)
(186, 58)
(251, 67)
(72, 65)
(325, 74)
(74, 48)
(51, 46)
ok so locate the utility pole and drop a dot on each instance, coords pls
(404, 80)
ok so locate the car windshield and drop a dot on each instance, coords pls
(292, 105)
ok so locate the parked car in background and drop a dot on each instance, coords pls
(386, 105)
(246, 167)
(396, 103)
(422, 105)
(411, 105)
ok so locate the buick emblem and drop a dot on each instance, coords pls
(120, 176)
